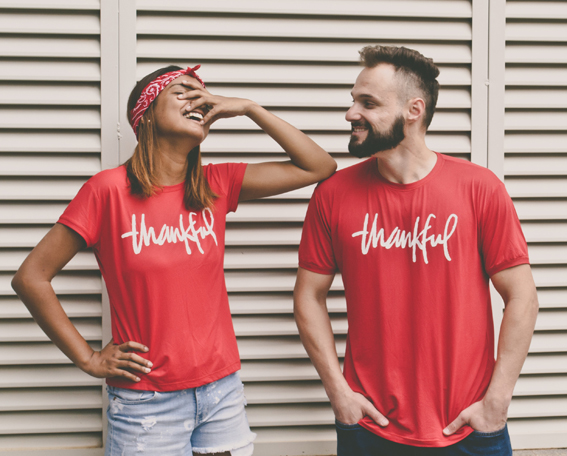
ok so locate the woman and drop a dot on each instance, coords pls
(156, 225)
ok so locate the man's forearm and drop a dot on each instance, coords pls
(515, 336)
(317, 337)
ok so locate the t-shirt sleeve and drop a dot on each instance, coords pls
(83, 214)
(316, 248)
(502, 241)
(229, 177)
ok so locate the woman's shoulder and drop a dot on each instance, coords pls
(114, 178)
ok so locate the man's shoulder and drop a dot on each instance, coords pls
(467, 171)
(345, 176)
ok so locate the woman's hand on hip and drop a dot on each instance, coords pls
(118, 361)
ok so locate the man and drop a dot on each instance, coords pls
(416, 236)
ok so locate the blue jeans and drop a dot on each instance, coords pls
(207, 419)
(354, 440)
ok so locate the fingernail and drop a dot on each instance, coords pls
(147, 369)
(150, 364)
(146, 349)
(137, 379)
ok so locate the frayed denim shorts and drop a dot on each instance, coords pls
(207, 419)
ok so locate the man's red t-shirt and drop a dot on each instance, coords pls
(415, 261)
(163, 268)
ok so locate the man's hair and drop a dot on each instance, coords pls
(141, 167)
(417, 71)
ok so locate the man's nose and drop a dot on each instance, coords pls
(352, 114)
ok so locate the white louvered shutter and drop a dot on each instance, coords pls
(535, 173)
(300, 60)
(49, 145)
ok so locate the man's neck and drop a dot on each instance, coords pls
(409, 162)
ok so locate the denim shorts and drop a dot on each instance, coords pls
(207, 419)
(354, 440)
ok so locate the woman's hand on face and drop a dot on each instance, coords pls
(214, 107)
(118, 360)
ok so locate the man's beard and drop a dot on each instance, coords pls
(376, 141)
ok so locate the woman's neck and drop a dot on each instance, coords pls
(171, 163)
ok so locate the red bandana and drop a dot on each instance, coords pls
(153, 89)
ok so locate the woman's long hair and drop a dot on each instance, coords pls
(141, 167)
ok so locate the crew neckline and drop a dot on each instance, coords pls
(407, 187)
(172, 188)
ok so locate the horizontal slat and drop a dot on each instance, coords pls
(52, 5)
(526, 187)
(404, 8)
(77, 444)
(47, 22)
(45, 376)
(50, 399)
(534, 209)
(535, 9)
(333, 142)
(22, 236)
(536, 31)
(53, 165)
(538, 433)
(289, 415)
(535, 98)
(546, 364)
(49, 141)
(234, 72)
(552, 298)
(292, 51)
(258, 234)
(330, 120)
(80, 47)
(317, 97)
(278, 348)
(18, 354)
(535, 165)
(50, 189)
(528, 407)
(74, 306)
(541, 385)
(266, 211)
(63, 283)
(535, 76)
(24, 213)
(535, 142)
(10, 260)
(549, 342)
(303, 27)
(28, 331)
(536, 121)
(548, 254)
(80, 69)
(278, 325)
(318, 437)
(552, 320)
(549, 276)
(534, 53)
(35, 94)
(276, 303)
(48, 422)
(284, 392)
(545, 231)
(266, 281)
(259, 258)
(47, 118)
(280, 370)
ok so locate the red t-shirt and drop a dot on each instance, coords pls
(415, 261)
(163, 268)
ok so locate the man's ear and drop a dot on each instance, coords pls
(416, 110)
